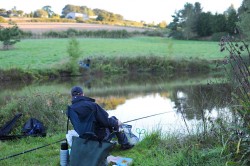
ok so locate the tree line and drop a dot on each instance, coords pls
(192, 23)
(47, 12)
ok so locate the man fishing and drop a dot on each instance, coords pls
(91, 118)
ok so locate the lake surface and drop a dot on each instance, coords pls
(175, 104)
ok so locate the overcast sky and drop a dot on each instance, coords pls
(137, 10)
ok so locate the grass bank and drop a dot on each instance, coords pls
(48, 57)
(155, 149)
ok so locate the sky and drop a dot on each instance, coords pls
(137, 10)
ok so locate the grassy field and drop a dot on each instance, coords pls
(50, 53)
(40, 27)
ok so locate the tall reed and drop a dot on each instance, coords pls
(237, 68)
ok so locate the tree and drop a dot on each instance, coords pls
(67, 9)
(218, 23)
(74, 52)
(244, 17)
(204, 27)
(19, 12)
(186, 20)
(162, 24)
(48, 10)
(100, 17)
(175, 27)
(40, 13)
(3, 12)
(232, 18)
(9, 36)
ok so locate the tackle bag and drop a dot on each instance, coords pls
(34, 127)
(89, 152)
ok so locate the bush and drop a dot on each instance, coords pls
(217, 36)
(9, 36)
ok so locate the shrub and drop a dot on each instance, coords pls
(9, 36)
(217, 36)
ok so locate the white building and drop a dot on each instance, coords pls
(73, 15)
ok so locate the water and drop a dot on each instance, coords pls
(153, 112)
(187, 102)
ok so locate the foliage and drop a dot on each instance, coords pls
(162, 24)
(218, 23)
(44, 106)
(73, 48)
(9, 36)
(74, 52)
(217, 36)
(52, 20)
(103, 15)
(40, 13)
(15, 75)
(204, 27)
(232, 19)
(90, 34)
(48, 10)
(239, 73)
(244, 17)
(192, 23)
(147, 64)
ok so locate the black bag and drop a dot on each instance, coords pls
(34, 127)
(89, 152)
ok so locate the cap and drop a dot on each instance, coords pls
(76, 90)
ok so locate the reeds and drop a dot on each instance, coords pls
(237, 68)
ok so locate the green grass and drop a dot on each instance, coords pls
(51, 53)
(152, 150)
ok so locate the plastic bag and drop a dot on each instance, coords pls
(69, 136)
(132, 139)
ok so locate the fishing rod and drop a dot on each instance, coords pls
(147, 116)
(30, 150)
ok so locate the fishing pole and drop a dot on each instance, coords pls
(30, 150)
(147, 116)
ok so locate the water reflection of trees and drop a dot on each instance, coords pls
(193, 101)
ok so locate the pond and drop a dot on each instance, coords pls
(173, 104)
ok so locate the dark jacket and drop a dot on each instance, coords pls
(88, 116)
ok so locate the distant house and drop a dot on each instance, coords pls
(93, 17)
(73, 15)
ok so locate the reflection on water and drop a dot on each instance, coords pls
(141, 108)
(188, 101)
